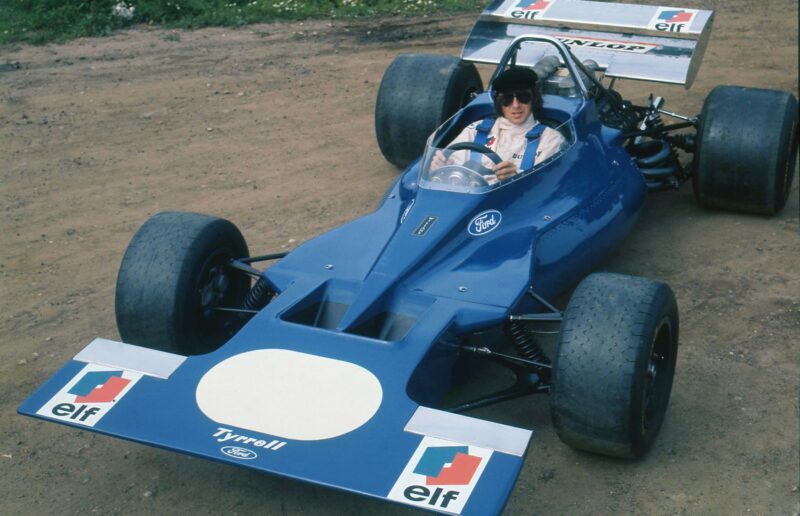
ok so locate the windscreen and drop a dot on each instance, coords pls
(469, 167)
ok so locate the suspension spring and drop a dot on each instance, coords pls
(259, 296)
(658, 162)
(526, 344)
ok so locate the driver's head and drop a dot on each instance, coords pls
(515, 94)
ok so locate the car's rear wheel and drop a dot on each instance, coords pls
(173, 277)
(613, 369)
(418, 93)
(746, 150)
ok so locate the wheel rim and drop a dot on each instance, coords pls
(657, 377)
(215, 288)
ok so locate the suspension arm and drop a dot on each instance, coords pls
(658, 130)
(486, 352)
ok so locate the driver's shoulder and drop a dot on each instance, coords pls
(476, 124)
(469, 132)
(548, 133)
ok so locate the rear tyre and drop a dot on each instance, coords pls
(172, 277)
(418, 93)
(613, 369)
(746, 150)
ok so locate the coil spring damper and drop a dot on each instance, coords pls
(259, 296)
(527, 347)
(658, 162)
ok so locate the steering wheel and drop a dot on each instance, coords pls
(492, 155)
(459, 175)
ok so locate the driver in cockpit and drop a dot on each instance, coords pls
(514, 133)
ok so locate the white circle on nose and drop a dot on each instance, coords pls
(289, 394)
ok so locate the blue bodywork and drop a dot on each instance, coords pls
(390, 292)
(557, 223)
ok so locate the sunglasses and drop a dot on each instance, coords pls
(523, 96)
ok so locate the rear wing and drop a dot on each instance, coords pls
(628, 41)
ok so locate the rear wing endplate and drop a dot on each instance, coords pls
(628, 41)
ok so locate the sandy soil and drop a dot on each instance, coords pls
(272, 127)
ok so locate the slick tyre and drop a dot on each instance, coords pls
(417, 94)
(172, 278)
(613, 370)
(746, 150)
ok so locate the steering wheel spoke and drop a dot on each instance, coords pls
(465, 175)
(458, 175)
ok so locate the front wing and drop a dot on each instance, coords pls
(279, 410)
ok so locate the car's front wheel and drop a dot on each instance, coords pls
(172, 280)
(613, 369)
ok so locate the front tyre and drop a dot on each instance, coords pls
(418, 93)
(613, 370)
(746, 150)
(172, 279)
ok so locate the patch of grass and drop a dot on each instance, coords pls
(43, 21)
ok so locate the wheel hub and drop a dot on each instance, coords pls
(213, 292)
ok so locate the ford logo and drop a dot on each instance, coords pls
(485, 222)
(238, 453)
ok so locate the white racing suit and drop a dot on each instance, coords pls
(509, 142)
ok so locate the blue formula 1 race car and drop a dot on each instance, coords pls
(333, 365)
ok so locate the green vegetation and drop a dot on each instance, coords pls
(42, 21)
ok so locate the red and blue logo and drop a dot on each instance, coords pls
(533, 5)
(676, 16)
(447, 465)
(99, 387)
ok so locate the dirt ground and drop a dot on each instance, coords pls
(271, 126)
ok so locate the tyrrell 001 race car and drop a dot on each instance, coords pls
(335, 364)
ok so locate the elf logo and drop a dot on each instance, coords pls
(443, 465)
(673, 20)
(89, 395)
(451, 465)
(99, 387)
(530, 9)
(440, 475)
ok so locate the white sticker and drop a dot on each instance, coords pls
(441, 475)
(671, 19)
(342, 396)
(529, 9)
(90, 395)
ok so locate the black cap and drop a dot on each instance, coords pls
(515, 79)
